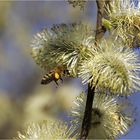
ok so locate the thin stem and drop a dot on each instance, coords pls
(88, 110)
(100, 30)
(87, 113)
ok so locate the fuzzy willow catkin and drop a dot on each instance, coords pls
(62, 45)
(79, 3)
(124, 21)
(109, 117)
(114, 67)
(48, 130)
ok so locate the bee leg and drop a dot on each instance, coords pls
(56, 82)
(61, 80)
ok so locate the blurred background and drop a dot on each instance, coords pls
(22, 98)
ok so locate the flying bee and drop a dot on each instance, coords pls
(55, 75)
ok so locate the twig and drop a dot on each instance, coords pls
(87, 114)
(100, 30)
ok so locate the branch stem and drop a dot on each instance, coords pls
(87, 113)
(100, 30)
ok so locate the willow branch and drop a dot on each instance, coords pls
(87, 114)
(100, 30)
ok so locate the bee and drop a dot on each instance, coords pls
(55, 75)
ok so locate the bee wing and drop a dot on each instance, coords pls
(46, 80)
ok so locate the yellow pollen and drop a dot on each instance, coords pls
(56, 75)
